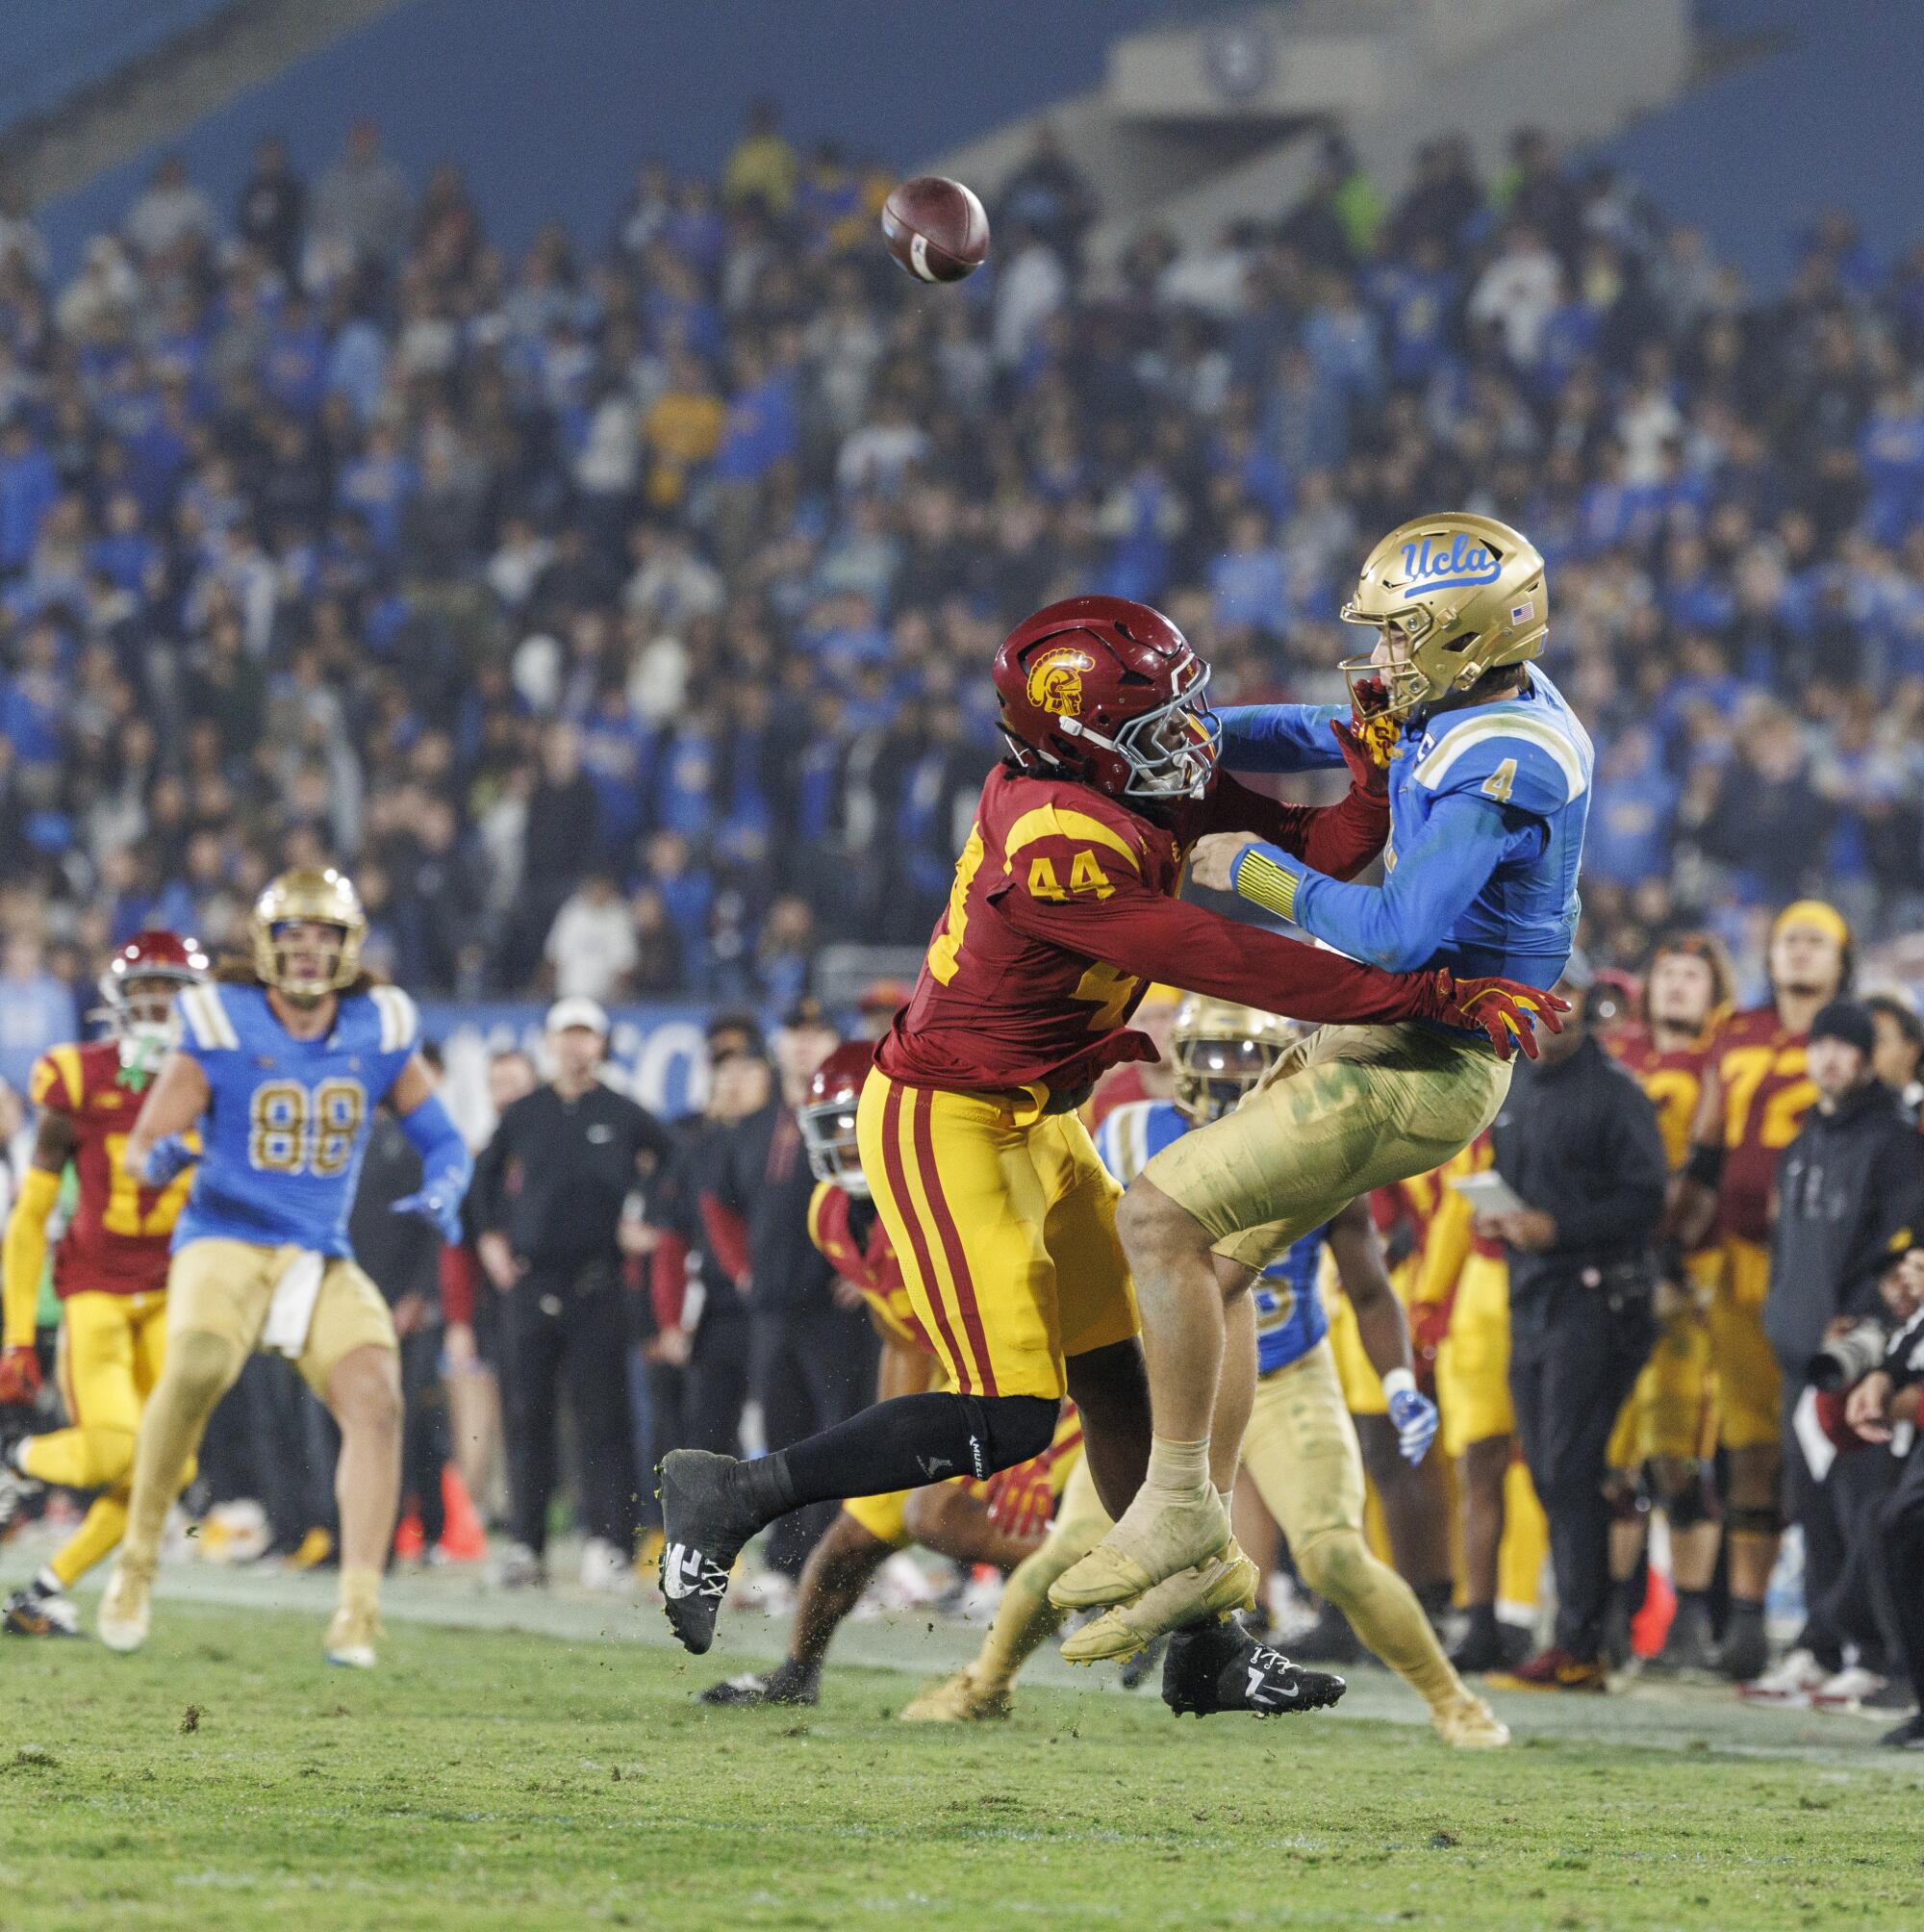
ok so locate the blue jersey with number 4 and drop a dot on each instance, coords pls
(1487, 806)
(1290, 1316)
(287, 1120)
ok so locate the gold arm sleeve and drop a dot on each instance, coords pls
(23, 1258)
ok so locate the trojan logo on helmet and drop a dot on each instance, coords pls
(1107, 693)
(1056, 681)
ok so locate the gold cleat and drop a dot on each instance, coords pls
(1218, 1587)
(127, 1607)
(351, 1637)
(1134, 1557)
(1466, 1723)
(961, 1699)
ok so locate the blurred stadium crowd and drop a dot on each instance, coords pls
(621, 613)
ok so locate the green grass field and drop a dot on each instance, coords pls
(491, 1777)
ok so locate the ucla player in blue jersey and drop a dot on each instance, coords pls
(1488, 776)
(1301, 1447)
(281, 1062)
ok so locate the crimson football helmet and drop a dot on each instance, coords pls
(826, 1116)
(138, 989)
(1108, 693)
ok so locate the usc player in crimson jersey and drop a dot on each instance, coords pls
(1063, 909)
(110, 1269)
(1755, 1095)
(997, 1523)
(1656, 1455)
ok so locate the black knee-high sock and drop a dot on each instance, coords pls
(904, 1444)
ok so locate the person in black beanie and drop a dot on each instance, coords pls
(1849, 1185)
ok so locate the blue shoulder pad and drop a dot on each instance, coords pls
(1513, 758)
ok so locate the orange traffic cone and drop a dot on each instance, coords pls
(1650, 1624)
(462, 1538)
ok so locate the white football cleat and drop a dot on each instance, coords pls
(1847, 1688)
(1788, 1682)
(126, 1608)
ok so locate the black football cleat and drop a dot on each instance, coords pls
(1135, 1672)
(1220, 1666)
(788, 1683)
(35, 1611)
(705, 1520)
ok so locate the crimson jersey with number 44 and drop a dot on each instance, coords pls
(1064, 909)
(116, 1241)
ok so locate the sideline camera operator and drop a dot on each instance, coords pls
(1883, 1407)
(1578, 1144)
(1849, 1185)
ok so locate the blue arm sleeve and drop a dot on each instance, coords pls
(1398, 924)
(1280, 737)
(446, 1162)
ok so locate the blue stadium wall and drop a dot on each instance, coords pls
(1829, 118)
(549, 104)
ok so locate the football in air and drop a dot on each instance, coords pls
(936, 228)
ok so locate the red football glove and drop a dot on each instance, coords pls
(1505, 1010)
(19, 1377)
(1022, 1499)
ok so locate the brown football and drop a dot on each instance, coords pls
(936, 228)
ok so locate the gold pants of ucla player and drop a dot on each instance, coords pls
(1342, 1112)
(1748, 1377)
(226, 1287)
(1302, 1452)
(1004, 1223)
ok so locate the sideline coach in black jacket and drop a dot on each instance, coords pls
(553, 1183)
(1577, 1142)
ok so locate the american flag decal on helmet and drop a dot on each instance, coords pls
(1522, 613)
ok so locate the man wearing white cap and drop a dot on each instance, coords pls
(559, 1170)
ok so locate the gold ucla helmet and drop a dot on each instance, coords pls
(310, 895)
(1221, 1050)
(1468, 593)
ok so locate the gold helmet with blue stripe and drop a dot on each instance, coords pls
(1454, 597)
(308, 896)
(1219, 1050)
